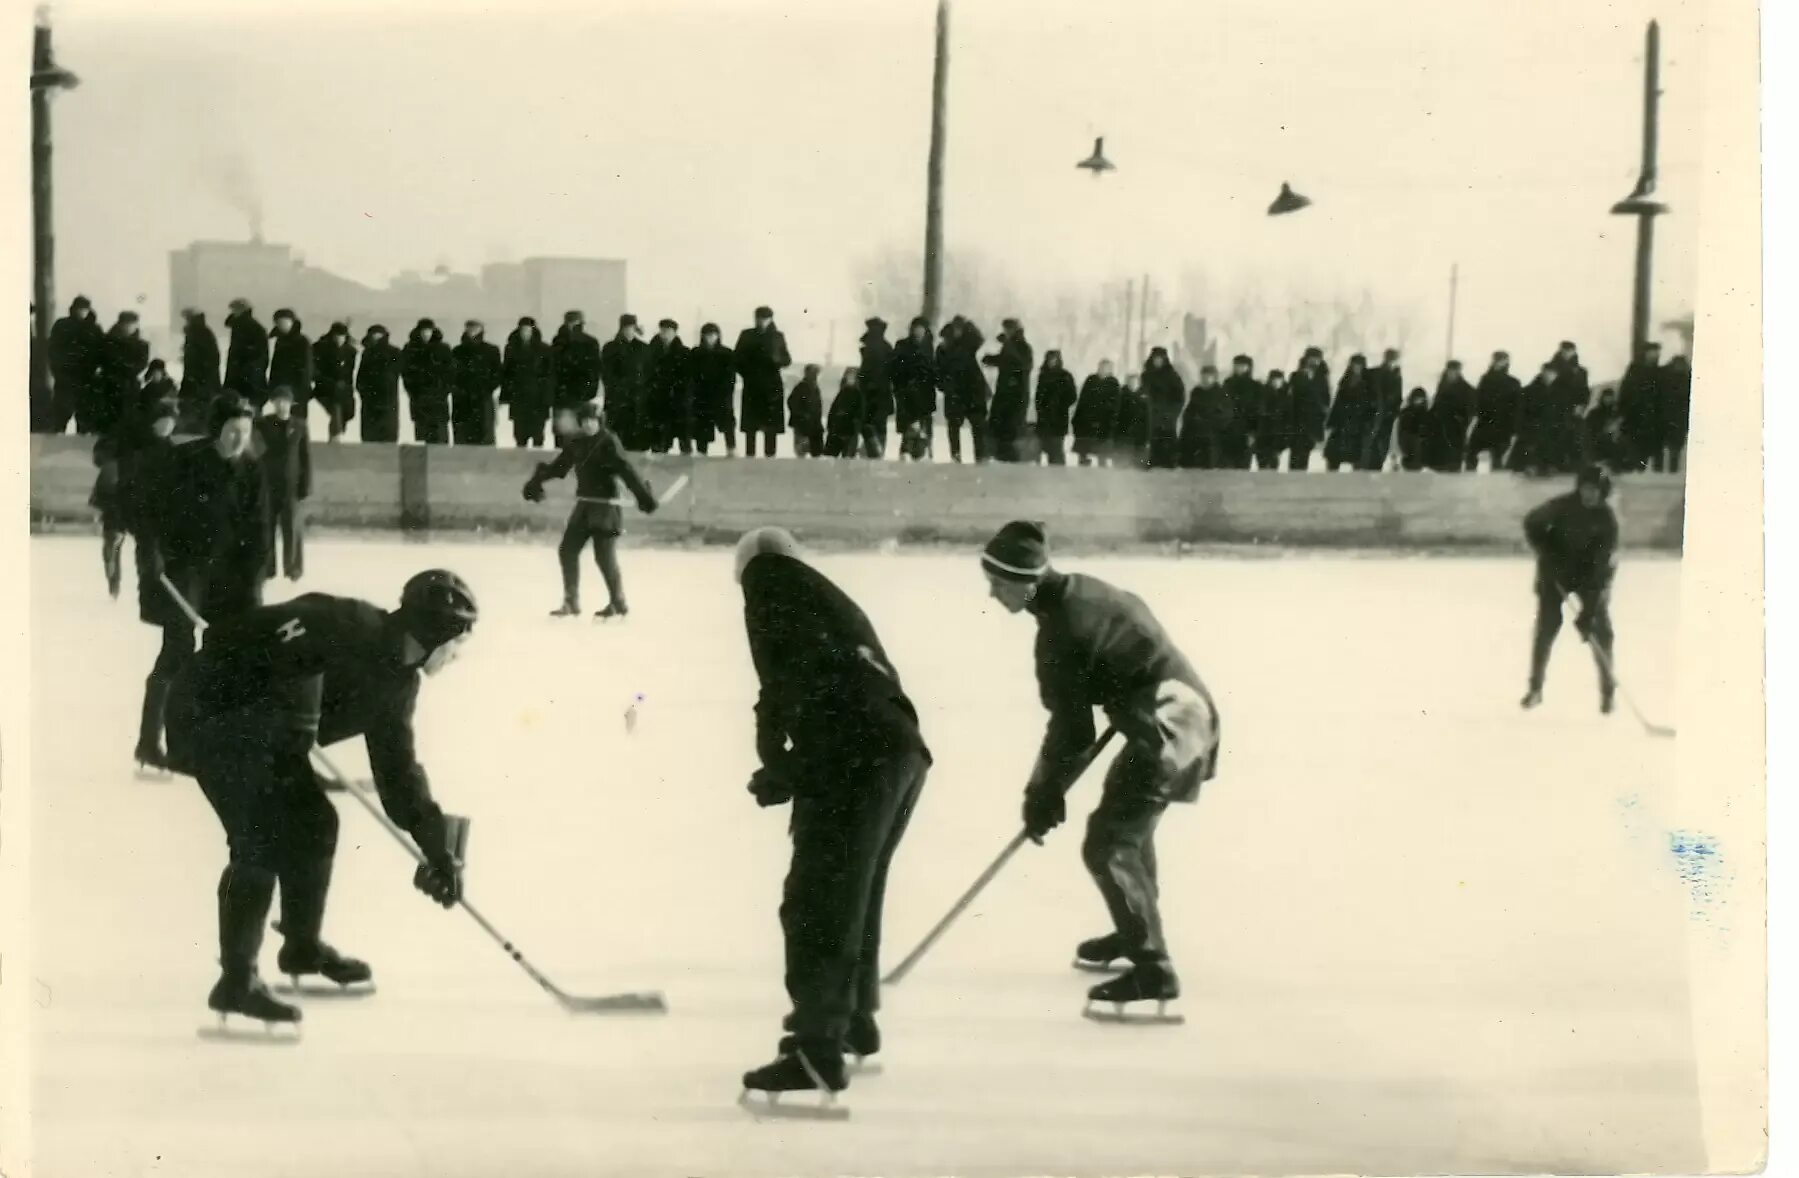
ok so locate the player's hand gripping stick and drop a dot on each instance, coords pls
(986, 877)
(648, 1003)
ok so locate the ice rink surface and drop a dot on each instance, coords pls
(1418, 929)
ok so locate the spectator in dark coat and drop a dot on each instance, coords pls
(577, 357)
(1541, 432)
(1311, 408)
(478, 371)
(378, 380)
(1451, 412)
(334, 377)
(77, 355)
(247, 354)
(1200, 448)
(1096, 416)
(1387, 384)
(668, 400)
(1241, 394)
(286, 460)
(1274, 420)
(1496, 404)
(712, 370)
(199, 367)
(158, 387)
(625, 370)
(1011, 391)
(806, 417)
(965, 392)
(1414, 430)
(1640, 403)
(126, 355)
(1677, 408)
(1576, 392)
(1605, 440)
(1055, 404)
(290, 359)
(914, 379)
(846, 429)
(527, 382)
(876, 371)
(1165, 398)
(761, 354)
(430, 372)
(1351, 417)
(1130, 436)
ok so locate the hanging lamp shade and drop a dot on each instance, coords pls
(1288, 202)
(1097, 163)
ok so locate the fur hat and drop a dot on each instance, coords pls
(763, 542)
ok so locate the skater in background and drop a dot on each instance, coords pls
(669, 397)
(1451, 413)
(1056, 400)
(202, 521)
(914, 381)
(837, 737)
(1130, 430)
(1200, 446)
(1166, 399)
(1496, 402)
(598, 459)
(1011, 390)
(247, 354)
(577, 357)
(1575, 538)
(624, 369)
(1311, 408)
(527, 382)
(378, 380)
(1274, 418)
(806, 416)
(142, 473)
(876, 371)
(761, 354)
(334, 378)
(1677, 409)
(286, 459)
(1414, 430)
(77, 347)
(1351, 417)
(712, 376)
(1100, 647)
(478, 371)
(429, 370)
(290, 359)
(268, 686)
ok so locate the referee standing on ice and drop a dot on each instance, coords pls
(1098, 646)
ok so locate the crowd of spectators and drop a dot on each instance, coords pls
(661, 395)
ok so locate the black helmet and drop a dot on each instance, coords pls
(438, 607)
(1595, 475)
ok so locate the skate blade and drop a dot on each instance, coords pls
(859, 1067)
(768, 1106)
(1117, 1013)
(649, 1002)
(1099, 967)
(265, 1035)
(323, 989)
(152, 773)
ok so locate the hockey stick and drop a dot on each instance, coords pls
(1605, 666)
(986, 877)
(650, 1002)
(674, 489)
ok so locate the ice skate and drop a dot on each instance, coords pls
(1146, 982)
(1100, 954)
(245, 995)
(1532, 698)
(860, 1042)
(348, 977)
(797, 1070)
(567, 609)
(615, 612)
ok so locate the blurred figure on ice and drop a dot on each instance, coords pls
(334, 378)
(286, 460)
(1451, 413)
(1130, 431)
(269, 685)
(1540, 412)
(1606, 444)
(1387, 388)
(1640, 402)
(1011, 391)
(1311, 408)
(598, 460)
(378, 381)
(761, 355)
(1100, 647)
(712, 373)
(577, 362)
(1274, 418)
(77, 347)
(1496, 404)
(478, 371)
(806, 417)
(118, 457)
(199, 369)
(1677, 408)
(290, 359)
(201, 521)
(669, 397)
(876, 371)
(158, 387)
(837, 737)
(1096, 416)
(247, 354)
(429, 371)
(914, 380)
(1575, 538)
(1200, 448)
(1165, 398)
(1238, 400)
(965, 392)
(624, 366)
(527, 382)
(1351, 417)
(123, 359)
(1055, 402)
(1414, 430)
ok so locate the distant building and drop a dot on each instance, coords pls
(207, 275)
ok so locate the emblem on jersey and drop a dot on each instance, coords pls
(291, 629)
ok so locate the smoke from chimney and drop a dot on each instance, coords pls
(232, 181)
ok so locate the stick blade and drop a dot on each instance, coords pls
(1661, 730)
(647, 1002)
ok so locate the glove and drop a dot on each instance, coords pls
(770, 788)
(440, 875)
(647, 505)
(1044, 810)
(534, 490)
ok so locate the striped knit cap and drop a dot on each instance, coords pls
(1018, 552)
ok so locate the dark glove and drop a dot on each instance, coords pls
(770, 788)
(440, 875)
(647, 505)
(1044, 810)
(534, 490)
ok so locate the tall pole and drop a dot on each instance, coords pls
(1130, 306)
(933, 205)
(46, 79)
(1143, 320)
(1641, 203)
(1449, 343)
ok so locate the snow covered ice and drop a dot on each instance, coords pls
(1418, 929)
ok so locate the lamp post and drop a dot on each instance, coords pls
(933, 206)
(1641, 203)
(46, 78)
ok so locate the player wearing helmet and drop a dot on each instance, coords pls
(1575, 537)
(244, 716)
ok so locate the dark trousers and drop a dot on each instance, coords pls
(843, 844)
(1055, 448)
(431, 427)
(1676, 455)
(527, 430)
(1595, 605)
(1299, 456)
(1120, 854)
(472, 424)
(977, 427)
(380, 421)
(1268, 456)
(768, 443)
(1164, 448)
(176, 652)
(287, 518)
(1487, 442)
(599, 523)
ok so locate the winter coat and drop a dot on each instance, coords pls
(806, 407)
(247, 357)
(577, 362)
(1605, 440)
(1200, 444)
(1274, 416)
(378, 381)
(1451, 413)
(478, 367)
(876, 371)
(624, 371)
(1677, 401)
(1012, 390)
(1096, 413)
(1055, 397)
(914, 369)
(199, 359)
(965, 391)
(429, 369)
(1542, 430)
(712, 373)
(1351, 418)
(1414, 432)
(1640, 405)
(334, 374)
(528, 376)
(76, 345)
(1311, 404)
(1496, 402)
(285, 455)
(847, 423)
(669, 396)
(1165, 396)
(290, 362)
(761, 354)
(1389, 398)
(1132, 428)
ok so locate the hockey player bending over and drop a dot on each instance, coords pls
(265, 687)
(837, 737)
(599, 463)
(1098, 646)
(1575, 537)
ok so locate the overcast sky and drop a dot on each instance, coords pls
(737, 152)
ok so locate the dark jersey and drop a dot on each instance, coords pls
(599, 464)
(1576, 545)
(326, 664)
